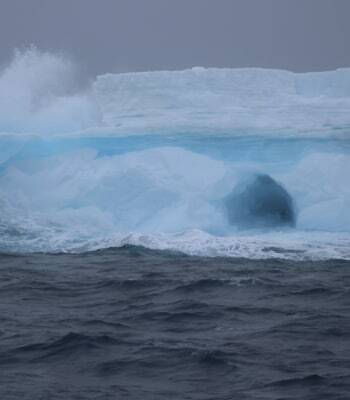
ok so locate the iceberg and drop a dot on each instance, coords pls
(149, 159)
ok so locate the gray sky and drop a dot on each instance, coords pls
(134, 35)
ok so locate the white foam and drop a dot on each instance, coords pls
(297, 245)
(38, 95)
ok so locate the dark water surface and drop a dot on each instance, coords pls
(132, 323)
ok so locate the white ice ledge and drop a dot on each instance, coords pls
(225, 100)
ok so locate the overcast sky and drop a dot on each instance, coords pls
(133, 35)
